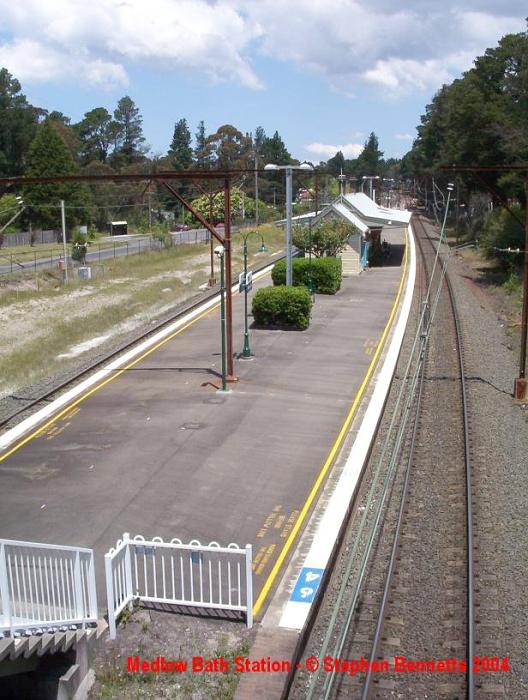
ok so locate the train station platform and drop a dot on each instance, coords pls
(155, 450)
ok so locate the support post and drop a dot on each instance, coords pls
(4, 588)
(228, 280)
(249, 585)
(520, 382)
(223, 320)
(110, 596)
(256, 191)
(288, 227)
(246, 352)
(63, 221)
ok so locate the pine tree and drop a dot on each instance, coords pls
(49, 155)
(275, 151)
(180, 151)
(130, 131)
(202, 153)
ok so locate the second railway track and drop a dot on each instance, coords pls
(404, 587)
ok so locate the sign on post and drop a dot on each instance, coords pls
(245, 282)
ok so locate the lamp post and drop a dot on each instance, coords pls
(219, 252)
(289, 173)
(246, 352)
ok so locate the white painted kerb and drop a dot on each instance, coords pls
(14, 434)
(295, 613)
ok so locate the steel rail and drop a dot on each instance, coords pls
(127, 345)
(469, 487)
(469, 510)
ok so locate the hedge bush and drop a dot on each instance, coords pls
(325, 274)
(282, 306)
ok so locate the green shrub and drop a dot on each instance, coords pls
(323, 273)
(282, 306)
(501, 230)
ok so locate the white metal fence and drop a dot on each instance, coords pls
(196, 575)
(45, 587)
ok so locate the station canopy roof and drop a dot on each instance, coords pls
(372, 214)
(357, 209)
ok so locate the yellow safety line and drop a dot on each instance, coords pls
(331, 455)
(59, 415)
(109, 379)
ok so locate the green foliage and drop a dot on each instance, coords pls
(49, 155)
(202, 153)
(129, 137)
(480, 119)
(79, 246)
(370, 160)
(229, 148)
(18, 123)
(97, 132)
(323, 275)
(8, 208)
(282, 306)
(239, 202)
(180, 151)
(501, 230)
(327, 238)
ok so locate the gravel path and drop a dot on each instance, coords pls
(500, 437)
(499, 433)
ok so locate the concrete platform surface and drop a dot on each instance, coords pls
(158, 452)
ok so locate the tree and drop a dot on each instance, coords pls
(370, 160)
(274, 150)
(258, 140)
(97, 132)
(128, 132)
(229, 148)
(18, 123)
(202, 152)
(49, 155)
(337, 164)
(180, 151)
(327, 238)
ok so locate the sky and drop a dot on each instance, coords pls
(324, 73)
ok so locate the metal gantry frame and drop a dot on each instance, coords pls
(165, 179)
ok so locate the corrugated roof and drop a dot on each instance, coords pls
(370, 211)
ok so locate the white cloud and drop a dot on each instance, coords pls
(326, 150)
(403, 137)
(398, 48)
(97, 41)
(35, 62)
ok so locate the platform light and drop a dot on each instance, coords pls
(305, 166)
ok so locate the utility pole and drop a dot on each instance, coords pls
(520, 382)
(63, 220)
(256, 190)
(149, 210)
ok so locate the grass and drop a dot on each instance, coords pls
(132, 291)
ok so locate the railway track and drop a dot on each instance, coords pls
(403, 590)
(27, 404)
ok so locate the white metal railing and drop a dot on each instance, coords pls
(154, 571)
(45, 587)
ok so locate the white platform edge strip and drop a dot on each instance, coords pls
(14, 434)
(295, 613)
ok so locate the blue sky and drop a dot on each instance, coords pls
(324, 74)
